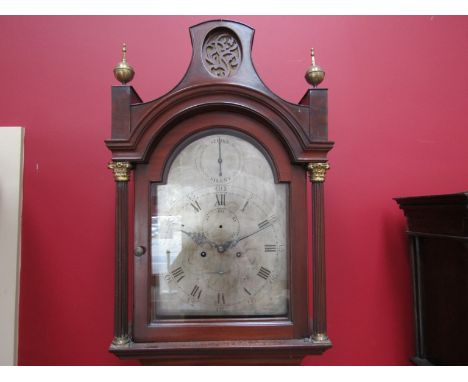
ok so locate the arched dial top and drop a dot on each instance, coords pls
(219, 239)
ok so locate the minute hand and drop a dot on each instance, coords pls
(232, 243)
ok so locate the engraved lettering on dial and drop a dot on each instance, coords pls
(270, 247)
(178, 274)
(195, 206)
(264, 273)
(245, 205)
(221, 199)
(221, 300)
(196, 292)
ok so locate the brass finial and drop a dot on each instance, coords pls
(315, 73)
(124, 72)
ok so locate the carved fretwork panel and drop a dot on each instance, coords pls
(221, 53)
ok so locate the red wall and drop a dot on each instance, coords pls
(398, 113)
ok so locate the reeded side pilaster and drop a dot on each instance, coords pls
(121, 172)
(317, 173)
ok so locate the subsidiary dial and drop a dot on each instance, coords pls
(219, 159)
(220, 226)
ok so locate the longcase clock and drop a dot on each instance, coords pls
(220, 168)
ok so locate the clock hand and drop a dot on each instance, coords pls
(250, 234)
(233, 243)
(220, 159)
(199, 238)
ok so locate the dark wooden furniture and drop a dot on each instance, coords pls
(438, 232)
(145, 137)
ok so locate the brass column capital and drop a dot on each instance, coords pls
(121, 170)
(317, 171)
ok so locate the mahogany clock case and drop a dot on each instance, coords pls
(233, 101)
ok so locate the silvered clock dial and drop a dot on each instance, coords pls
(219, 237)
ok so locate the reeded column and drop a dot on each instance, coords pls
(319, 315)
(121, 172)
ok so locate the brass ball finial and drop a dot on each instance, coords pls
(315, 73)
(123, 72)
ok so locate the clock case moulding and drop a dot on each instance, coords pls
(145, 136)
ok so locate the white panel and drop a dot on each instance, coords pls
(11, 174)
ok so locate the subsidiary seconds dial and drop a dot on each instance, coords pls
(219, 159)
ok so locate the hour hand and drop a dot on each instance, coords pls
(199, 238)
(220, 158)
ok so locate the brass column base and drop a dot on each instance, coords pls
(320, 337)
(120, 341)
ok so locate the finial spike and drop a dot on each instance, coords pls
(315, 73)
(124, 52)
